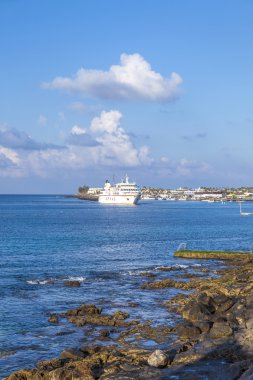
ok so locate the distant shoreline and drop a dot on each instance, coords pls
(85, 197)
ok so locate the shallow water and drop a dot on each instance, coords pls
(46, 240)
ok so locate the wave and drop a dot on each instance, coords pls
(74, 278)
(40, 282)
(50, 281)
(172, 267)
(136, 272)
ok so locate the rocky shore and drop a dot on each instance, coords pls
(213, 338)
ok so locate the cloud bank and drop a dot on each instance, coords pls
(133, 79)
(103, 145)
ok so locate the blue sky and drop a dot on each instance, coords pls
(159, 89)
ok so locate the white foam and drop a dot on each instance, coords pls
(40, 282)
(177, 266)
(136, 272)
(55, 280)
(77, 278)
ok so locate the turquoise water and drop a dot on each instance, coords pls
(45, 240)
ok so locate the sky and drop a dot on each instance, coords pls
(160, 90)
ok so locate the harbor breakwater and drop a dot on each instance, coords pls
(212, 337)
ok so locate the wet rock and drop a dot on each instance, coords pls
(204, 326)
(147, 274)
(159, 284)
(166, 283)
(188, 356)
(220, 329)
(78, 371)
(145, 331)
(206, 300)
(72, 283)
(72, 354)
(179, 299)
(225, 306)
(220, 299)
(90, 314)
(242, 277)
(158, 359)
(120, 315)
(90, 350)
(188, 331)
(190, 275)
(133, 304)
(169, 269)
(83, 310)
(53, 318)
(239, 313)
(22, 375)
(50, 365)
(196, 311)
(104, 333)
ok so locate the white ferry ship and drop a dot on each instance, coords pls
(124, 192)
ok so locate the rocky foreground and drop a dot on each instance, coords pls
(213, 340)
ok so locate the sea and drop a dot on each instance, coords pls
(46, 240)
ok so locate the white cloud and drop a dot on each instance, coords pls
(133, 79)
(79, 136)
(76, 130)
(116, 146)
(10, 155)
(106, 122)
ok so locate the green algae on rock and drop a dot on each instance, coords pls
(219, 255)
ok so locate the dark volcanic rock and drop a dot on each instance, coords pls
(72, 283)
(220, 299)
(220, 329)
(196, 311)
(53, 318)
(72, 354)
(204, 326)
(50, 365)
(225, 306)
(90, 314)
(104, 333)
(83, 310)
(133, 304)
(147, 274)
(188, 331)
(120, 315)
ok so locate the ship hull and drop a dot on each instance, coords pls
(119, 199)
